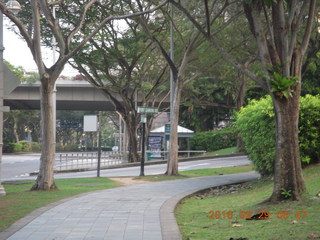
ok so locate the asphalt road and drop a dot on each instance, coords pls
(16, 167)
(19, 165)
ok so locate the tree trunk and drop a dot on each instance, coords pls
(133, 143)
(288, 180)
(15, 129)
(172, 166)
(240, 100)
(45, 179)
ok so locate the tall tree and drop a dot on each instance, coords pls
(121, 62)
(282, 31)
(188, 39)
(35, 24)
(179, 72)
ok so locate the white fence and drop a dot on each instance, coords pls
(87, 160)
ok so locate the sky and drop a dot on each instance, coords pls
(18, 54)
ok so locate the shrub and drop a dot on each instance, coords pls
(25, 146)
(71, 147)
(256, 126)
(214, 140)
(12, 147)
(309, 129)
(36, 147)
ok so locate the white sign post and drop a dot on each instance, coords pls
(144, 111)
(90, 123)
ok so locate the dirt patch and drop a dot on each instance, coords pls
(221, 190)
(126, 181)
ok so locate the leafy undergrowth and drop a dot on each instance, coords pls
(20, 201)
(221, 213)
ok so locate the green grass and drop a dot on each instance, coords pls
(225, 151)
(193, 214)
(217, 171)
(200, 173)
(19, 201)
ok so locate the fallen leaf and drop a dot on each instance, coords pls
(237, 225)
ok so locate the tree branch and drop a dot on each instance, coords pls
(53, 25)
(308, 30)
(106, 20)
(80, 23)
(36, 43)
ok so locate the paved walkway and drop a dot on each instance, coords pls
(139, 212)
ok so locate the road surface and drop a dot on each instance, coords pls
(16, 167)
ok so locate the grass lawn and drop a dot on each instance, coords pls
(223, 217)
(225, 151)
(19, 201)
(200, 173)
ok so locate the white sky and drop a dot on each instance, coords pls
(18, 54)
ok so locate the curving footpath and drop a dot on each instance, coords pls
(139, 212)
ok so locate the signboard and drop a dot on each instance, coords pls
(90, 123)
(151, 110)
(69, 124)
(154, 146)
(167, 127)
(143, 119)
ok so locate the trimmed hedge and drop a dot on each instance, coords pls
(309, 129)
(25, 146)
(71, 148)
(12, 147)
(256, 126)
(22, 146)
(214, 140)
(36, 147)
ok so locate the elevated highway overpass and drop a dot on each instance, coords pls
(71, 95)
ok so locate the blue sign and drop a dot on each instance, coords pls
(167, 127)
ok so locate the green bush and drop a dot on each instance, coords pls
(71, 148)
(25, 146)
(22, 146)
(36, 147)
(17, 147)
(256, 126)
(309, 129)
(214, 140)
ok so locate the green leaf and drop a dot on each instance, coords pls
(282, 84)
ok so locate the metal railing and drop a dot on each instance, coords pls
(87, 160)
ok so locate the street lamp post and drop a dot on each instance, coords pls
(14, 6)
(172, 59)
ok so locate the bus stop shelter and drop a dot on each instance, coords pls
(158, 140)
